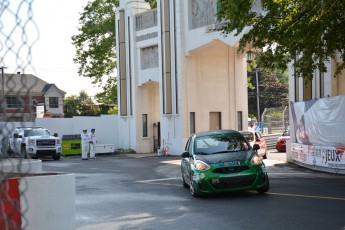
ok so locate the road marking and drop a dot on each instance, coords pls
(307, 196)
(293, 173)
(157, 181)
(153, 180)
(105, 169)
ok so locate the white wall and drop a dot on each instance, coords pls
(107, 131)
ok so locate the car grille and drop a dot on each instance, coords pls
(233, 182)
(227, 170)
(44, 143)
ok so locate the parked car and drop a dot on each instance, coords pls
(254, 137)
(34, 142)
(281, 142)
(222, 161)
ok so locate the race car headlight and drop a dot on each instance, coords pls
(256, 160)
(201, 166)
(31, 142)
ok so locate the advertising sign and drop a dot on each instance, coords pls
(39, 111)
(323, 156)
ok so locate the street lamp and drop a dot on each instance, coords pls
(250, 59)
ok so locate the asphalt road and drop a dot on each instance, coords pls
(119, 192)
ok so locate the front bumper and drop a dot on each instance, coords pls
(281, 147)
(253, 178)
(43, 152)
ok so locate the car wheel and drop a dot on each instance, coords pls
(56, 158)
(266, 187)
(265, 156)
(24, 153)
(185, 185)
(192, 189)
(9, 150)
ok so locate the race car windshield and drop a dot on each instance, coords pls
(220, 143)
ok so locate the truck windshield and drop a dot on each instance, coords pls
(36, 132)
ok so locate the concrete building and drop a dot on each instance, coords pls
(176, 74)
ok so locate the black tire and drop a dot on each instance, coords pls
(23, 152)
(56, 158)
(192, 190)
(265, 156)
(266, 187)
(10, 151)
(185, 185)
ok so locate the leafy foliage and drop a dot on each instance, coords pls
(308, 32)
(272, 93)
(113, 110)
(81, 105)
(153, 3)
(96, 46)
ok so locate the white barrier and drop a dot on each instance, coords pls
(14, 165)
(105, 148)
(48, 202)
(321, 158)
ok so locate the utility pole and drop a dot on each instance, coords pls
(257, 94)
(2, 92)
(250, 59)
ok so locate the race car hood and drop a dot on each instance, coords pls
(226, 157)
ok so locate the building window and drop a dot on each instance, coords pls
(53, 102)
(14, 102)
(192, 122)
(145, 134)
(239, 120)
(215, 120)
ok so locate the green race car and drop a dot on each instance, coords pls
(222, 161)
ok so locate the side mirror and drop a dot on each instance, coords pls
(56, 134)
(15, 135)
(185, 155)
(256, 147)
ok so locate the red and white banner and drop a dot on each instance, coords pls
(330, 157)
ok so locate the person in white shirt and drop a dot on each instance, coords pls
(85, 141)
(93, 143)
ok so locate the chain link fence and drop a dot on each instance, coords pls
(18, 34)
(275, 120)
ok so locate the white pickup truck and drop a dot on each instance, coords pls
(34, 142)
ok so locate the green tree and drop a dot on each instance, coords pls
(287, 29)
(113, 110)
(71, 106)
(273, 87)
(81, 105)
(153, 3)
(272, 93)
(95, 46)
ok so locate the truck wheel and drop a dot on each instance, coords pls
(24, 153)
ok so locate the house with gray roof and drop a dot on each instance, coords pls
(23, 95)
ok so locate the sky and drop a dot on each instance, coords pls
(48, 51)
